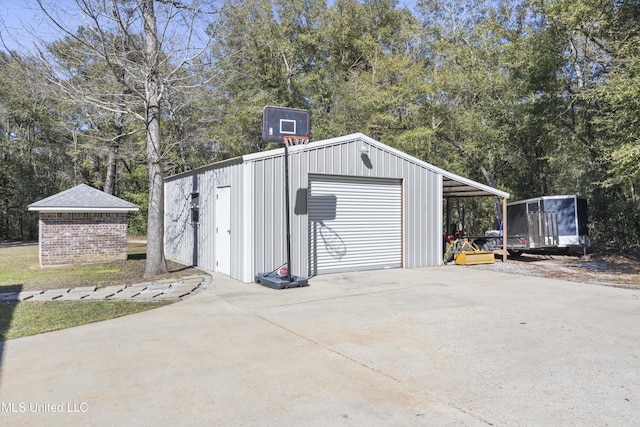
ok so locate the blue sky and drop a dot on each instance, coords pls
(22, 20)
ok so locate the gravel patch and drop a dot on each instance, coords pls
(606, 271)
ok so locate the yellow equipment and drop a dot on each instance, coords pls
(472, 258)
(464, 252)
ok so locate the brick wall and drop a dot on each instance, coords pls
(69, 238)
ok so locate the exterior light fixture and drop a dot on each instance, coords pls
(364, 150)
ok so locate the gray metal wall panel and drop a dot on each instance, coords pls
(228, 175)
(178, 235)
(299, 224)
(237, 229)
(421, 207)
(422, 202)
(422, 198)
(269, 219)
(206, 234)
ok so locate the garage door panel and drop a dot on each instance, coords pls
(354, 224)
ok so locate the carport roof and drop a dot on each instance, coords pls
(452, 185)
(457, 186)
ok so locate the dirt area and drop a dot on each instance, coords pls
(596, 269)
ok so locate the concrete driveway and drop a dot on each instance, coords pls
(434, 346)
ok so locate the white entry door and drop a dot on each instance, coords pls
(223, 230)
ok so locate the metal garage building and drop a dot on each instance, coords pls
(356, 204)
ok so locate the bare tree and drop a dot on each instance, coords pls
(144, 47)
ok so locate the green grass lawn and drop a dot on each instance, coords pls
(19, 265)
(20, 270)
(31, 318)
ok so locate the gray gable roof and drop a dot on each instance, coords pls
(83, 198)
(452, 185)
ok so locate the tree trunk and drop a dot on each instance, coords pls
(156, 263)
(112, 162)
(155, 218)
(76, 169)
(112, 166)
(177, 127)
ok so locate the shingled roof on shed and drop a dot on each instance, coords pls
(83, 198)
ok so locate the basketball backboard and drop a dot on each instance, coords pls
(280, 122)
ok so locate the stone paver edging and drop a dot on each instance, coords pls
(159, 290)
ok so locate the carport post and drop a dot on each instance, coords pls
(448, 224)
(504, 229)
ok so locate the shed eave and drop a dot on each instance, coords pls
(219, 164)
(467, 187)
(80, 210)
(457, 186)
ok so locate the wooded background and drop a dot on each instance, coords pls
(532, 97)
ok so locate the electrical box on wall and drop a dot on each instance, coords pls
(195, 208)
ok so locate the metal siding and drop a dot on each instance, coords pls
(422, 195)
(228, 175)
(237, 231)
(421, 198)
(299, 237)
(411, 204)
(246, 246)
(269, 221)
(435, 183)
(264, 227)
(354, 224)
(206, 234)
(178, 235)
(258, 220)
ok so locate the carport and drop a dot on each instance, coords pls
(458, 188)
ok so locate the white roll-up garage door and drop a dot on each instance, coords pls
(354, 224)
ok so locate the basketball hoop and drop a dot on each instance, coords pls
(291, 127)
(291, 140)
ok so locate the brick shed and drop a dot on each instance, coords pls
(82, 225)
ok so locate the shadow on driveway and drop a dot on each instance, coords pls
(6, 316)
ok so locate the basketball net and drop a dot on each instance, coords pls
(295, 140)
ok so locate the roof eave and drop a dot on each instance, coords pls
(478, 188)
(475, 189)
(79, 210)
